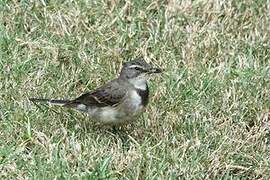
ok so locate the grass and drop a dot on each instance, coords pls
(209, 112)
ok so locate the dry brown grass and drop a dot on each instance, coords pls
(209, 112)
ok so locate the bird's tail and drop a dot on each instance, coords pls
(50, 101)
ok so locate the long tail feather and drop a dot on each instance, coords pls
(50, 101)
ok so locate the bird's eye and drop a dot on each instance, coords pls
(137, 68)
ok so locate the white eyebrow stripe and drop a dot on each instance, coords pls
(133, 66)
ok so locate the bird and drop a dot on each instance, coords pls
(117, 102)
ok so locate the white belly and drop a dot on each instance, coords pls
(134, 102)
(123, 113)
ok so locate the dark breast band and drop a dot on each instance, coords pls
(144, 94)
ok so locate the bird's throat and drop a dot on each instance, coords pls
(139, 83)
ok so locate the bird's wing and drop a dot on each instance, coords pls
(109, 94)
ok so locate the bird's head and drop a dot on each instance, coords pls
(137, 71)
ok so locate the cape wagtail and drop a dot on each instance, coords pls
(117, 102)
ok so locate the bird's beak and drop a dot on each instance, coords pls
(155, 70)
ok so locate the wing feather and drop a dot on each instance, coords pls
(110, 94)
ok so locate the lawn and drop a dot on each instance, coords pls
(209, 112)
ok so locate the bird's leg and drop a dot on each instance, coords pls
(115, 129)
